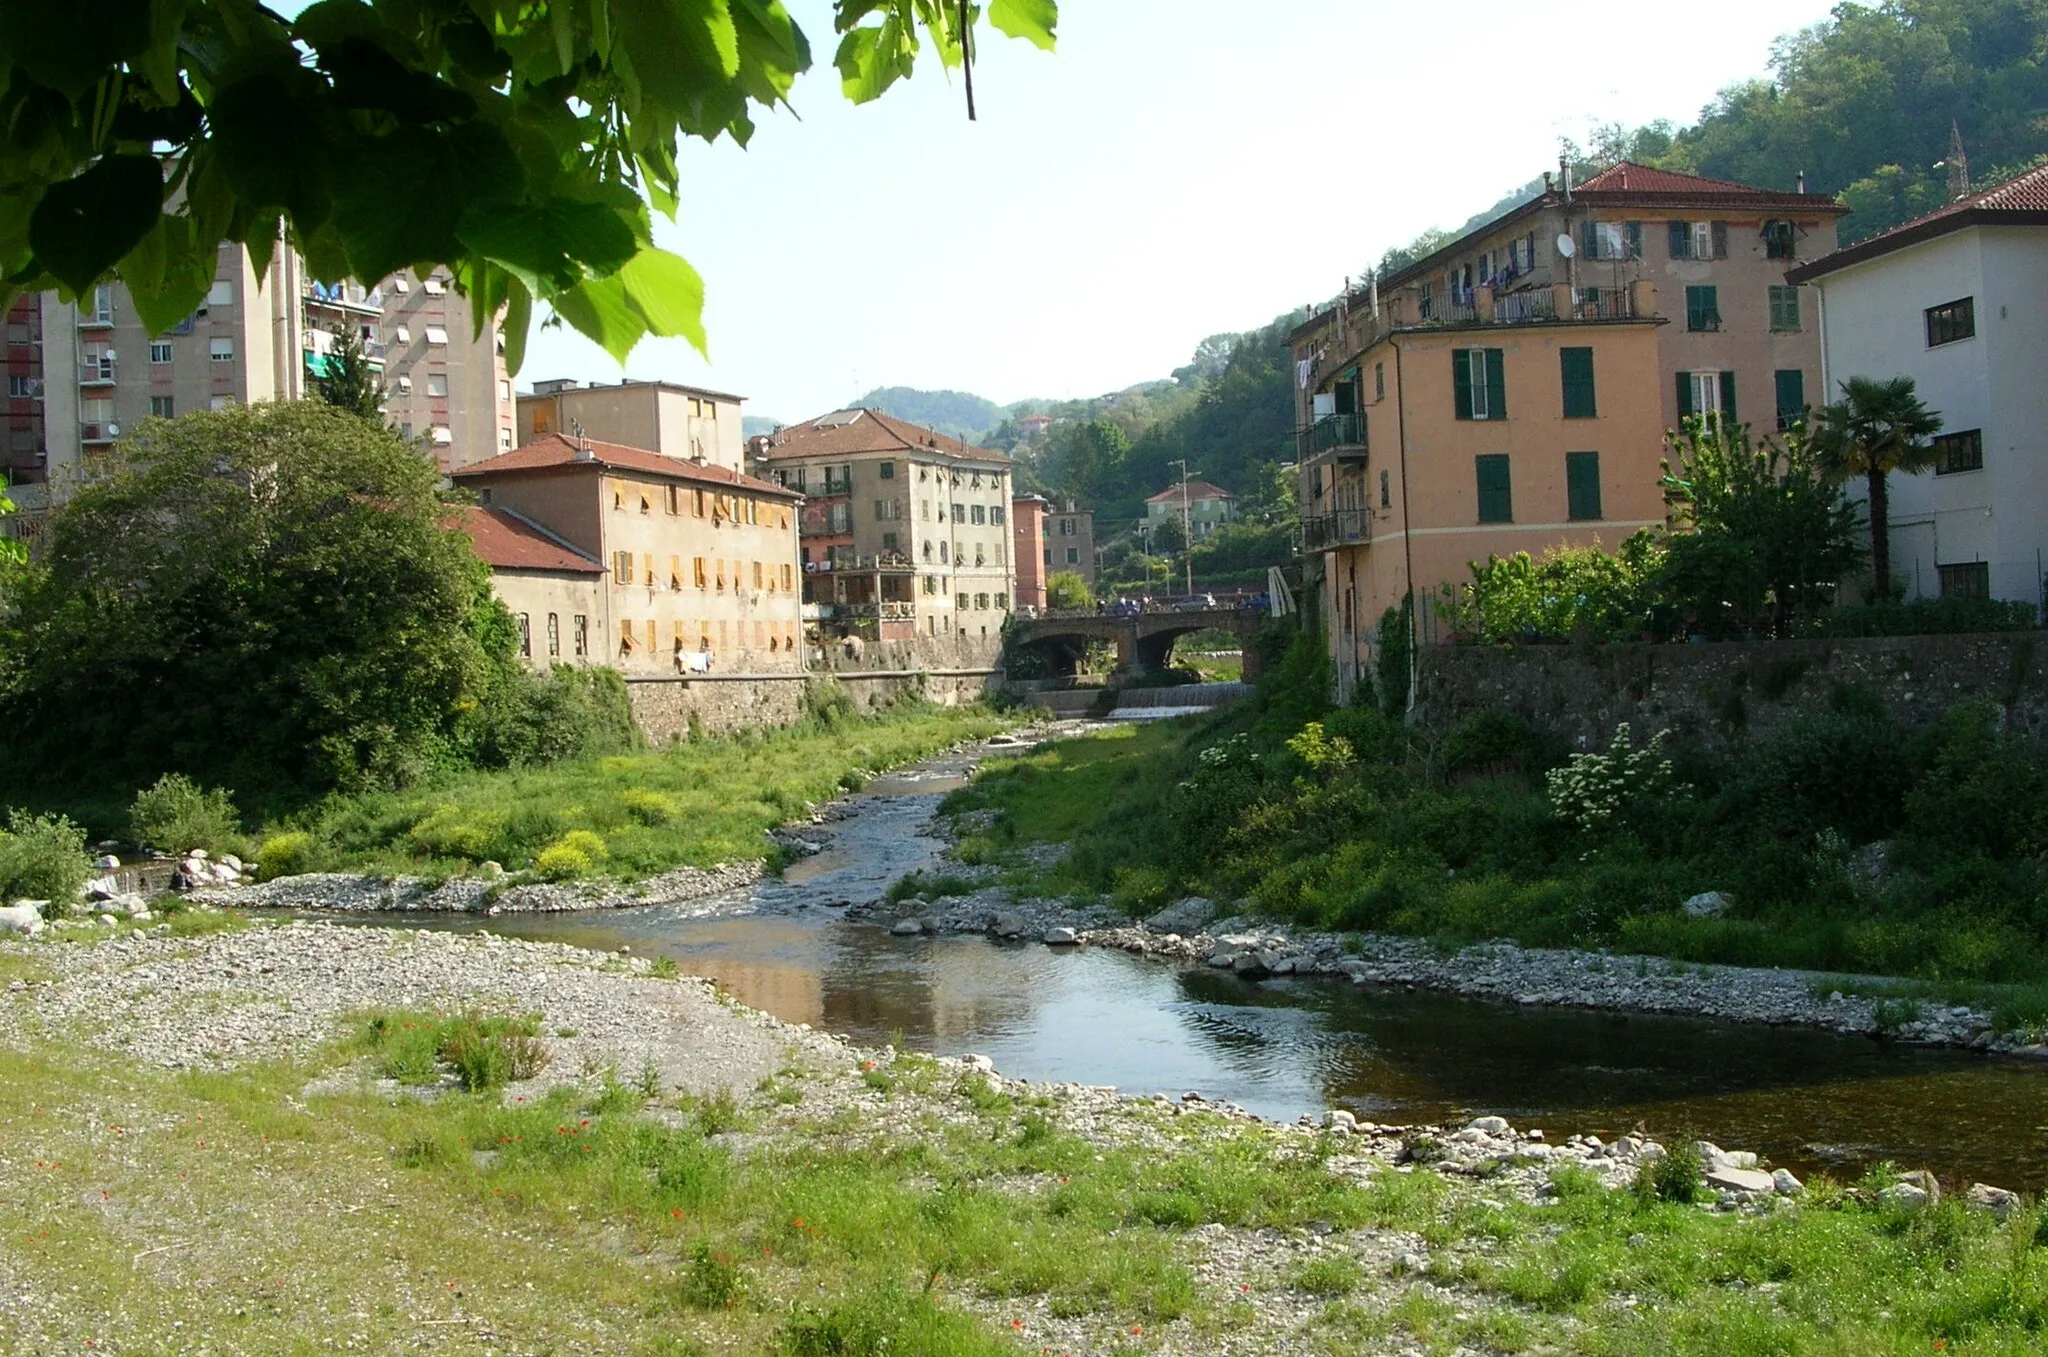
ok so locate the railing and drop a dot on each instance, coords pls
(1343, 527)
(1341, 431)
(1522, 307)
(1604, 303)
(95, 319)
(807, 528)
(886, 560)
(888, 610)
(1460, 310)
(97, 433)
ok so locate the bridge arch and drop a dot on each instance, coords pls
(1144, 642)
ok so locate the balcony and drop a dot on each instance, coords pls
(98, 433)
(807, 528)
(1343, 434)
(346, 297)
(97, 371)
(97, 319)
(888, 562)
(1340, 528)
(888, 610)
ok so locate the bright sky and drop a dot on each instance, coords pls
(1176, 169)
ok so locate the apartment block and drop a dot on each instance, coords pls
(255, 337)
(664, 417)
(905, 533)
(697, 563)
(1070, 540)
(1511, 391)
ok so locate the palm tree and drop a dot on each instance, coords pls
(1878, 427)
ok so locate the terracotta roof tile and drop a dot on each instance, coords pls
(2019, 201)
(861, 429)
(1196, 490)
(506, 541)
(557, 450)
(1646, 185)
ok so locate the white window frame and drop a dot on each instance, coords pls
(221, 350)
(1475, 377)
(433, 287)
(222, 293)
(434, 379)
(436, 335)
(441, 434)
(401, 335)
(1706, 392)
(1702, 235)
(160, 351)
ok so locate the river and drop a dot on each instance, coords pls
(1810, 1100)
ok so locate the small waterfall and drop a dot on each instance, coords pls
(1153, 704)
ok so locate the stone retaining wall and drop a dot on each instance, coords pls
(1720, 694)
(663, 706)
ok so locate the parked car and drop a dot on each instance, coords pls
(1123, 607)
(1194, 603)
(1257, 603)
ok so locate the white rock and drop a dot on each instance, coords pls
(1493, 1126)
(1785, 1183)
(1905, 1195)
(1739, 1159)
(1061, 937)
(108, 863)
(231, 860)
(23, 917)
(196, 855)
(978, 1062)
(1740, 1180)
(907, 928)
(1338, 1116)
(1996, 1200)
(1707, 904)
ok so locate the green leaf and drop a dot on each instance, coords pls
(550, 245)
(600, 309)
(668, 294)
(272, 144)
(83, 225)
(689, 49)
(1031, 20)
(168, 273)
(68, 47)
(397, 205)
(518, 321)
(870, 60)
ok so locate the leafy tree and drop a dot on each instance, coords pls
(12, 553)
(351, 382)
(1066, 589)
(1168, 537)
(1569, 592)
(1878, 427)
(265, 598)
(517, 144)
(1760, 538)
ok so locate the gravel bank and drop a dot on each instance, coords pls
(360, 893)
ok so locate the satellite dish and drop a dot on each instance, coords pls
(113, 431)
(1565, 247)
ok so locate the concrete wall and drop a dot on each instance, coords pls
(723, 703)
(1722, 694)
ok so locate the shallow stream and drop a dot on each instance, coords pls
(1806, 1099)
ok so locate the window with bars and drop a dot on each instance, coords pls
(1951, 321)
(1962, 450)
(554, 636)
(579, 632)
(1576, 369)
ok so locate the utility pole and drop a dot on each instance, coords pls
(1187, 532)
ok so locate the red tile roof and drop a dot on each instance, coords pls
(1196, 490)
(1629, 184)
(506, 541)
(2019, 201)
(555, 451)
(864, 430)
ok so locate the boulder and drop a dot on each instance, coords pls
(24, 917)
(490, 871)
(1872, 862)
(1492, 1126)
(907, 928)
(1785, 1183)
(196, 855)
(1740, 1180)
(1184, 916)
(1904, 1195)
(1009, 925)
(1708, 904)
(101, 888)
(1925, 1181)
(1061, 937)
(1222, 961)
(1996, 1200)
(230, 860)
(106, 863)
(1338, 1116)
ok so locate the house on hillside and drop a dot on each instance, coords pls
(1953, 300)
(905, 534)
(1510, 392)
(1208, 508)
(696, 562)
(1034, 425)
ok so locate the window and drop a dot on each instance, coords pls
(1582, 485)
(162, 407)
(981, 602)
(697, 570)
(718, 576)
(401, 335)
(159, 350)
(961, 601)
(977, 555)
(1479, 383)
(1951, 321)
(436, 335)
(579, 631)
(1496, 500)
(1073, 555)
(1706, 393)
(622, 567)
(924, 509)
(757, 574)
(1781, 240)
(441, 433)
(554, 636)
(995, 513)
(222, 350)
(23, 387)
(1386, 492)
(525, 636)
(786, 576)
(649, 632)
(222, 293)
(504, 391)
(977, 514)
(1784, 309)
(889, 541)
(646, 506)
(401, 283)
(942, 553)
(1791, 393)
(697, 504)
(405, 386)
(888, 471)
(1611, 239)
(1962, 450)
(959, 513)
(437, 384)
(1703, 308)
(1379, 381)
(1972, 579)
(1576, 366)
(432, 286)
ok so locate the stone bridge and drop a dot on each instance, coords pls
(1144, 642)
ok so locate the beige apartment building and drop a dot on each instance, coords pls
(906, 533)
(1511, 391)
(555, 592)
(675, 421)
(700, 560)
(96, 370)
(1070, 540)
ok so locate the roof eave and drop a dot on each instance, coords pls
(1911, 234)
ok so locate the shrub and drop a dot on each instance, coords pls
(1490, 741)
(1571, 591)
(1826, 770)
(177, 814)
(1673, 1177)
(712, 1281)
(575, 854)
(1982, 791)
(528, 718)
(287, 854)
(1597, 792)
(649, 807)
(1927, 617)
(488, 1053)
(42, 857)
(1334, 1274)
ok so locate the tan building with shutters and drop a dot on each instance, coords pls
(699, 561)
(1511, 391)
(555, 592)
(665, 417)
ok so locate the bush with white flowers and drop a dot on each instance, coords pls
(1595, 791)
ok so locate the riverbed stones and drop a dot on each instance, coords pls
(1785, 1184)
(1996, 1200)
(1061, 937)
(1491, 1126)
(907, 928)
(1339, 1118)
(24, 917)
(1009, 924)
(1907, 1196)
(1708, 904)
(1732, 1179)
(1185, 915)
(106, 863)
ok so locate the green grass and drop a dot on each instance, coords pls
(623, 816)
(269, 1218)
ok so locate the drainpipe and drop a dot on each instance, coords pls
(1407, 527)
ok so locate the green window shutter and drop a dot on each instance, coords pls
(1496, 500)
(1461, 382)
(1589, 238)
(1720, 229)
(1635, 239)
(1791, 396)
(1685, 408)
(1576, 367)
(1681, 239)
(1496, 385)
(1728, 397)
(1784, 308)
(1702, 308)
(1582, 484)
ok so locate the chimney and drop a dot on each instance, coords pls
(1546, 184)
(1802, 181)
(1564, 177)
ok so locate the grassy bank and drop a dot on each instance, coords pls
(626, 815)
(950, 1220)
(1346, 820)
